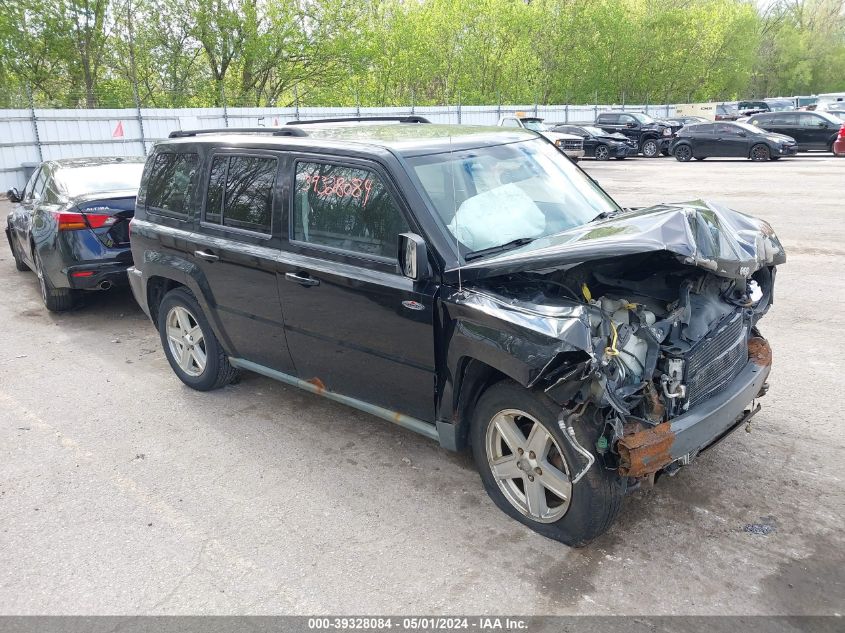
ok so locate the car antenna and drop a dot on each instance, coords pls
(455, 205)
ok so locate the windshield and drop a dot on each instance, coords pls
(76, 181)
(642, 118)
(490, 196)
(594, 131)
(535, 125)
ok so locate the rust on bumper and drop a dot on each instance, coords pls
(643, 452)
(759, 351)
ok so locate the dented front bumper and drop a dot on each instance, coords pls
(645, 452)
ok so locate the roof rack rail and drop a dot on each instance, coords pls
(413, 118)
(285, 131)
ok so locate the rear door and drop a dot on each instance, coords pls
(237, 247)
(22, 213)
(355, 325)
(703, 139)
(609, 122)
(815, 130)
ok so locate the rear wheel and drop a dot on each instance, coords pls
(194, 353)
(55, 299)
(19, 263)
(650, 148)
(602, 152)
(527, 466)
(683, 153)
(760, 152)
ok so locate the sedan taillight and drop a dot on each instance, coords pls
(68, 221)
(842, 132)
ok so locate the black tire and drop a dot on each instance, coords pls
(621, 157)
(55, 299)
(760, 152)
(602, 152)
(650, 148)
(775, 158)
(19, 263)
(217, 371)
(699, 157)
(595, 500)
(683, 153)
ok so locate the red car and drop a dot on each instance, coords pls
(839, 143)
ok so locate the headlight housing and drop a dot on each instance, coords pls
(667, 131)
(558, 142)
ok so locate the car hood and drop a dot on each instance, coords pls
(553, 136)
(699, 233)
(615, 136)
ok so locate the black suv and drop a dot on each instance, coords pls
(471, 284)
(811, 130)
(652, 137)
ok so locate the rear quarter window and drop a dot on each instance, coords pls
(240, 192)
(172, 183)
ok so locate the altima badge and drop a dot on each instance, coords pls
(413, 305)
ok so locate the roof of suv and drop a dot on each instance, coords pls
(407, 139)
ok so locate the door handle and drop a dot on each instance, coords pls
(209, 257)
(302, 280)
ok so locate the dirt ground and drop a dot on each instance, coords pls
(124, 492)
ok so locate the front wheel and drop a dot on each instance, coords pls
(683, 153)
(650, 148)
(527, 466)
(602, 152)
(760, 152)
(192, 349)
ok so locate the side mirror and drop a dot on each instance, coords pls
(630, 124)
(14, 195)
(413, 256)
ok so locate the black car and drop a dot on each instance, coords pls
(811, 130)
(747, 108)
(71, 225)
(599, 144)
(651, 136)
(469, 283)
(731, 139)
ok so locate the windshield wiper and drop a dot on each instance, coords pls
(603, 216)
(520, 241)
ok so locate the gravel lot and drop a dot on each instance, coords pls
(124, 492)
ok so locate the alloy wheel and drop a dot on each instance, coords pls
(683, 153)
(186, 341)
(602, 153)
(528, 465)
(760, 152)
(650, 149)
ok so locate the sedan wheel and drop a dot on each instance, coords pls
(602, 152)
(760, 152)
(528, 466)
(683, 153)
(186, 341)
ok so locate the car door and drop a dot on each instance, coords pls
(703, 140)
(609, 122)
(786, 123)
(355, 325)
(815, 130)
(730, 140)
(236, 248)
(589, 142)
(23, 211)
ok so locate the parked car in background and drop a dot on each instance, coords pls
(690, 120)
(726, 112)
(746, 108)
(599, 144)
(730, 139)
(838, 113)
(71, 225)
(780, 104)
(830, 101)
(811, 130)
(470, 284)
(652, 137)
(569, 144)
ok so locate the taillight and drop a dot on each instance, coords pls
(67, 221)
(842, 132)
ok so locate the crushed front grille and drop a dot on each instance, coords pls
(716, 360)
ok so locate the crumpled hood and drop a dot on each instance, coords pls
(703, 234)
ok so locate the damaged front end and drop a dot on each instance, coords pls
(660, 345)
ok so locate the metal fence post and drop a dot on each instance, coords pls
(566, 113)
(225, 109)
(459, 107)
(296, 102)
(34, 121)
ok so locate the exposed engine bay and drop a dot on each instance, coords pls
(663, 337)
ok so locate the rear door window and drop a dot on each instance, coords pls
(240, 192)
(172, 183)
(345, 207)
(608, 119)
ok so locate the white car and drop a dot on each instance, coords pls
(571, 145)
